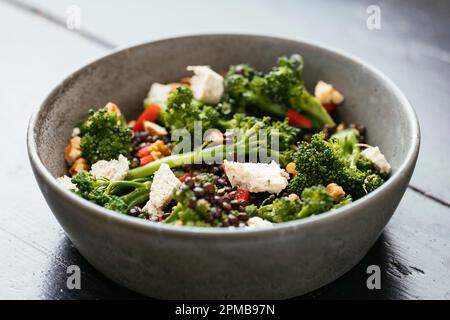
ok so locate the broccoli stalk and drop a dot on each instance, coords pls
(111, 194)
(242, 145)
(248, 94)
(285, 83)
(274, 93)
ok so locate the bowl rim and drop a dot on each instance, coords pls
(144, 225)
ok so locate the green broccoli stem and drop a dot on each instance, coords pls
(116, 186)
(266, 105)
(207, 154)
(174, 161)
(136, 198)
(312, 108)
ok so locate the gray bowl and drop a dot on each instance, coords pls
(164, 261)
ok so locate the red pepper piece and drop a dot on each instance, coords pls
(184, 176)
(330, 106)
(297, 119)
(142, 152)
(149, 114)
(147, 159)
(242, 195)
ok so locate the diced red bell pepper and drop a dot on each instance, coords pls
(297, 119)
(147, 159)
(149, 114)
(142, 152)
(242, 195)
(184, 176)
(330, 106)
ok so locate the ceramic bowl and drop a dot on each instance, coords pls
(164, 261)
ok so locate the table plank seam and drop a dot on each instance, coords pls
(61, 23)
(429, 195)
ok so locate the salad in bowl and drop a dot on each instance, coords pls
(236, 149)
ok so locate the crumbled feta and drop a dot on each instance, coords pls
(66, 183)
(113, 170)
(257, 177)
(159, 93)
(206, 84)
(258, 223)
(374, 155)
(325, 93)
(164, 182)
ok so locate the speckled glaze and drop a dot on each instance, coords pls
(164, 261)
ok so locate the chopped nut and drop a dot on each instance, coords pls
(159, 149)
(175, 85)
(156, 155)
(154, 129)
(214, 136)
(290, 168)
(73, 151)
(293, 197)
(186, 81)
(78, 166)
(340, 127)
(325, 93)
(112, 107)
(131, 123)
(335, 191)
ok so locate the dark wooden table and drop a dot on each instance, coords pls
(37, 50)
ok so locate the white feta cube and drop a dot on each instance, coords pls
(258, 223)
(257, 177)
(374, 155)
(66, 183)
(114, 170)
(164, 182)
(159, 93)
(206, 84)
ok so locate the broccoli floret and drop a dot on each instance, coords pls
(344, 201)
(280, 131)
(104, 136)
(372, 181)
(182, 111)
(315, 200)
(365, 164)
(102, 192)
(115, 203)
(287, 135)
(286, 85)
(244, 70)
(280, 210)
(273, 93)
(250, 95)
(321, 162)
